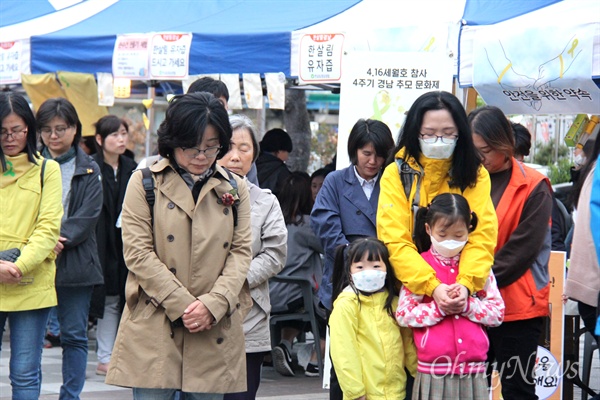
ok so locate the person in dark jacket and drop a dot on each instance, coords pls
(111, 138)
(78, 267)
(275, 149)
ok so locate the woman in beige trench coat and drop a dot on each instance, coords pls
(182, 326)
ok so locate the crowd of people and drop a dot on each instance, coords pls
(428, 254)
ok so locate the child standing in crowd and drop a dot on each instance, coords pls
(368, 349)
(451, 349)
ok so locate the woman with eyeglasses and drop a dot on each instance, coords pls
(108, 300)
(188, 250)
(78, 268)
(435, 154)
(30, 214)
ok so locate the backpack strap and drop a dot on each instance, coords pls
(148, 182)
(234, 185)
(407, 177)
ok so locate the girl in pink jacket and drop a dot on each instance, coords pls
(451, 348)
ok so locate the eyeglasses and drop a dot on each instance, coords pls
(60, 131)
(431, 138)
(16, 135)
(193, 152)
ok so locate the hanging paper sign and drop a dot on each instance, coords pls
(169, 55)
(554, 76)
(130, 57)
(383, 86)
(10, 62)
(321, 57)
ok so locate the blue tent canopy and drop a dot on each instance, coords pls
(487, 12)
(229, 36)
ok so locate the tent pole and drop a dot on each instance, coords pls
(151, 95)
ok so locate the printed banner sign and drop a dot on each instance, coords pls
(383, 86)
(130, 57)
(10, 62)
(170, 55)
(552, 77)
(321, 58)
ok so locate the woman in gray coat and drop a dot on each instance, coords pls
(77, 268)
(269, 247)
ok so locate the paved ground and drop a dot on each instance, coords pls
(273, 385)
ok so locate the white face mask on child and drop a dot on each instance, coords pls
(448, 248)
(369, 281)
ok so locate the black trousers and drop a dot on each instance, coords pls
(513, 345)
(254, 363)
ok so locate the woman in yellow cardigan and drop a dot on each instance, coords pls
(435, 154)
(30, 214)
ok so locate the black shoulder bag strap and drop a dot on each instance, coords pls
(148, 182)
(42, 173)
(407, 176)
(234, 185)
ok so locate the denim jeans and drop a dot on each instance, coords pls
(27, 330)
(53, 326)
(169, 394)
(73, 310)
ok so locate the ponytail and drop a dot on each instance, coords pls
(340, 278)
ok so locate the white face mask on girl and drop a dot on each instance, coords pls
(448, 248)
(369, 281)
(437, 150)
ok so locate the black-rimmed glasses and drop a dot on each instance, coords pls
(193, 152)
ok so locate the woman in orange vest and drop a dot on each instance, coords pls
(523, 201)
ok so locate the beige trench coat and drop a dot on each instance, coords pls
(194, 253)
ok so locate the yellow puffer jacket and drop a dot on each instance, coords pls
(30, 220)
(368, 349)
(395, 225)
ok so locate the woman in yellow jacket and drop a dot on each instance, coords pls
(30, 214)
(435, 154)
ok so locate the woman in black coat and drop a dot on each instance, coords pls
(111, 138)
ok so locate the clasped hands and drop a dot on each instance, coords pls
(451, 299)
(197, 318)
(9, 272)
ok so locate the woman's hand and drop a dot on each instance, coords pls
(60, 246)
(197, 318)
(9, 272)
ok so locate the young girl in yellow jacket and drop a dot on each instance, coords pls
(369, 350)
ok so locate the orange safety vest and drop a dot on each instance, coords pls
(527, 297)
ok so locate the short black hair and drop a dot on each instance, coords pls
(11, 102)
(370, 131)
(210, 85)
(62, 108)
(107, 125)
(465, 160)
(186, 120)
(276, 140)
(320, 172)
(522, 139)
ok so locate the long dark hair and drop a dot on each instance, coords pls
(585, 170)
(465, 161)
(450, 207)
(11, 102)
(295, 197)
(63, 109)
(345, 255)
